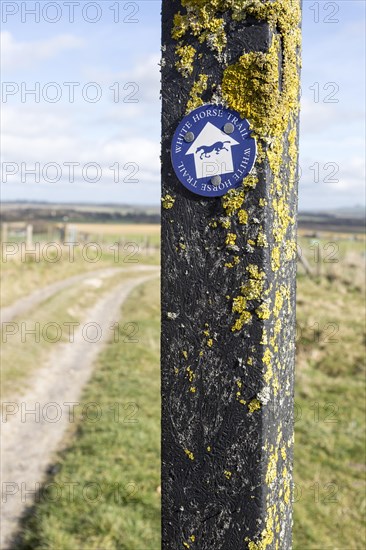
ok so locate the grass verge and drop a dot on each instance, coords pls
(330, 502)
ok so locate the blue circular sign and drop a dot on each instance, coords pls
(212, 150)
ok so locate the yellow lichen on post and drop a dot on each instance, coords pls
(189, 454)
(233, 201)
(202, 21)
(254, 405)
(243, 217)
(186, 57)
(168, 202)
(251, 290)
(196, 92)
(230, 240)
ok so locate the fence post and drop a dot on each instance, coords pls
(228, 273)
(29, 235)
(4, 232)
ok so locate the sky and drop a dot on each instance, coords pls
(90, 131)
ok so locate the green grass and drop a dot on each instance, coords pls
(19, 278)
(153, 239)
(330, 502)
(122, 458)
(22, 353)
(330, 409)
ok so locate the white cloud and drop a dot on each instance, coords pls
(351, 176)
(320, 117)
(36, 134)
(347, 175)
(17, 54)
(23, 122)
(145, 73)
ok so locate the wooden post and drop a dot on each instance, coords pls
(49, 233)
(319, 260)
(29, 236)
(4, 232)
(228, 283)
(71, 234)
(304, 262)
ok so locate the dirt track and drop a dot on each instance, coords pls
(28, 442)
(38, 296)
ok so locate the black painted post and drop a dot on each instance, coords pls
(228, 283)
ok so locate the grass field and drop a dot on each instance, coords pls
(137, 233)
(119, 460)
(330, 468)
(121, 229)
(23, 273)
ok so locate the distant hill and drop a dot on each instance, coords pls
(347, 220)
(73, 213)
(341, 219)
(357, 211)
